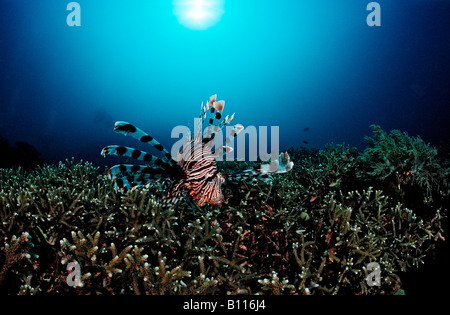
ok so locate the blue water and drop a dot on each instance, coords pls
(313, 68)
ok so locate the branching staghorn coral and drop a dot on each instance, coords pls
(403, 161)
(13, 252)
(355, 230)
(128, 271)
(275, 286)
(161, 280)
(50, 198)
(313, 231)
(335, 165)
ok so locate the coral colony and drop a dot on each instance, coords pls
(342, 221)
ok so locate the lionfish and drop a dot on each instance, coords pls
(194, 170)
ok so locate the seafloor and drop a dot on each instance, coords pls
(343, 221)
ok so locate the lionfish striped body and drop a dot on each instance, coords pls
(194, 170)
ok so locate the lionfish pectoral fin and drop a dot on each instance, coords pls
(251, 175)
(130, 169)
(126, 128)
(139, 155)
(128, 176)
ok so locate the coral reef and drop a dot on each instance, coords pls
(404, 162)
(315, 230)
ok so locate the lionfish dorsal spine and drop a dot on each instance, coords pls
(221, 151)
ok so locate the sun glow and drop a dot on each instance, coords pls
(198, 14)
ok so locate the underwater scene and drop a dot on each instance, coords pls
(224, 148)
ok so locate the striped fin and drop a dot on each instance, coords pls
(229, 140)
(119, 150)
(263, 172)
(234, 132)
(126, 128)
(153, 172)
(215, 113)
(214, 124)
(212, 114)
(221, 151)
(204, 108)
(175, 193)
(128, 176)
(125, 183)
(251, 175)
